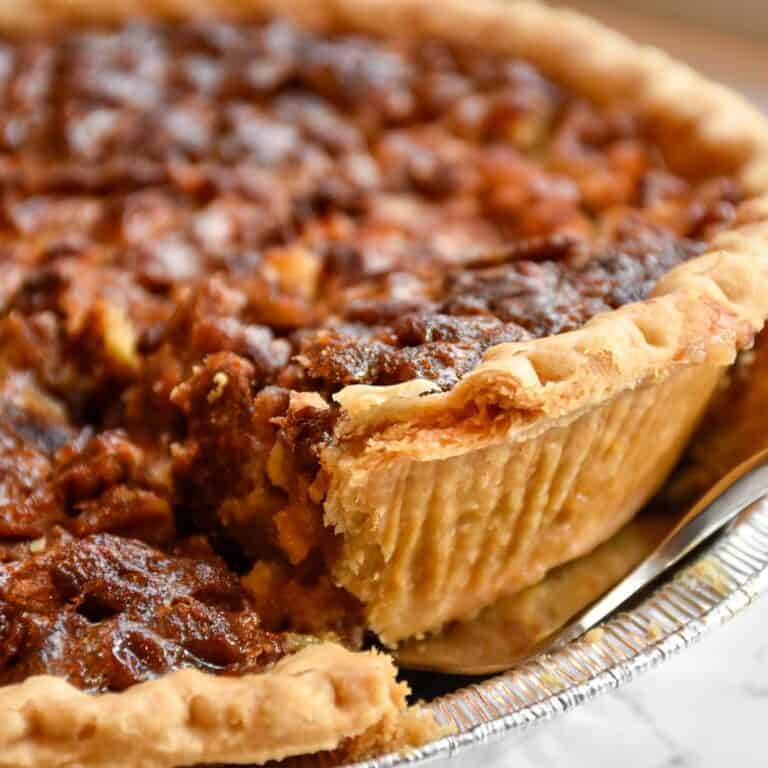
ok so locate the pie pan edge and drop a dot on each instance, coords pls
(722, 580)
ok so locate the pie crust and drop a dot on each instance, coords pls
(446, 501)
(504, 476)
(309, 702)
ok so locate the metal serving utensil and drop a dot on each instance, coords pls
(732, 495)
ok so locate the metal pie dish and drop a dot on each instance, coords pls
(719, 581)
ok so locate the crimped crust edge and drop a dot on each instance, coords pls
(311, 701)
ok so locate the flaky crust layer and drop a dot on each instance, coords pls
(309, 702)
(415, 470)
(426, 541)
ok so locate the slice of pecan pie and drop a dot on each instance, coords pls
(325, 321)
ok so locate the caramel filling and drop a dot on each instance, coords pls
(210, 229)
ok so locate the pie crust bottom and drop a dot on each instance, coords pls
(429, 541)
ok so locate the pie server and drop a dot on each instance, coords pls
(739, 489)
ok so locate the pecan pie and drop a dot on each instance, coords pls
(321, 322)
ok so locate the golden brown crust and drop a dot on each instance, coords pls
(415, 469)
(312, 701)
(703, 311)
(425, 541)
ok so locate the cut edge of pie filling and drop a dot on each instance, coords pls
(210, 229)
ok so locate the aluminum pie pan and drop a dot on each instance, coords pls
(722, 580)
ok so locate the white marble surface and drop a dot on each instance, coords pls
(705, 708)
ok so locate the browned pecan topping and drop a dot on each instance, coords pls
(106, 612)
(206, 231)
